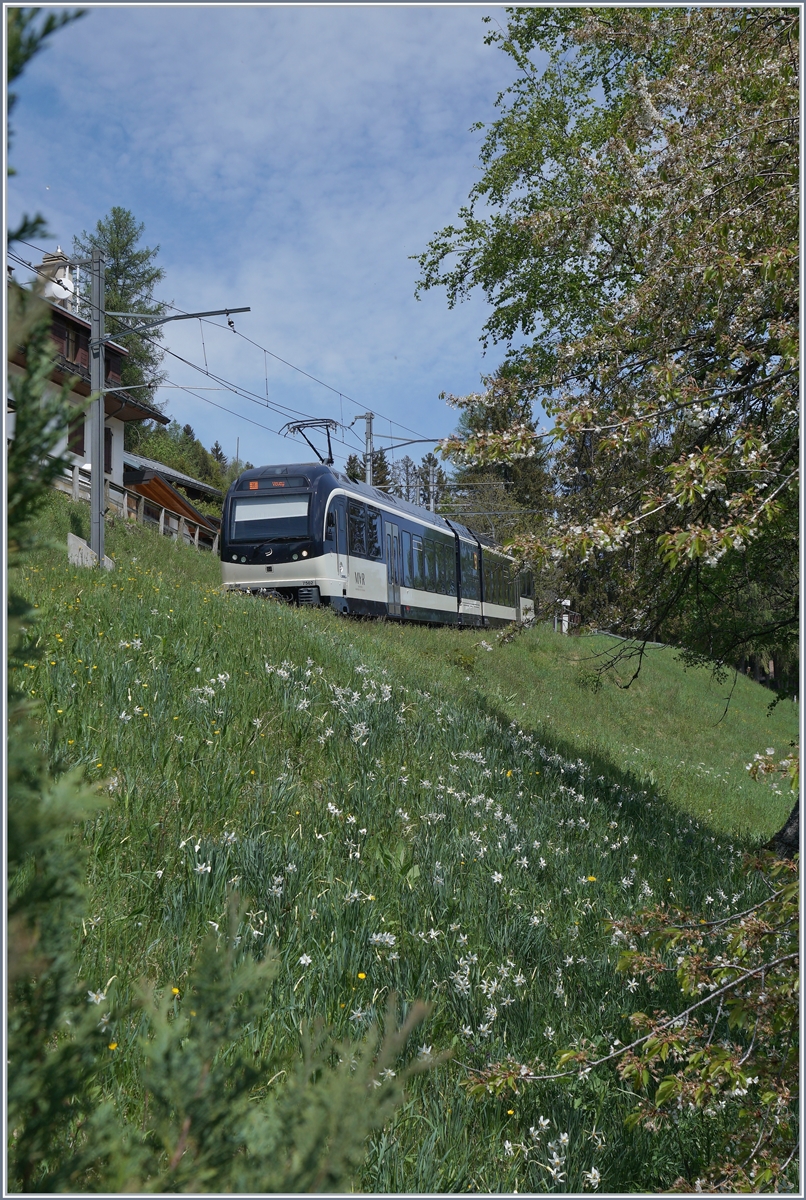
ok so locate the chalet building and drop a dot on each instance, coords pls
(71, 359)
(140, 471)
(135, 488)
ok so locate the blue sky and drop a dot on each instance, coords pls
(286, 158)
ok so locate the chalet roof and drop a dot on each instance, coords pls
(138, 463)
(156, 488)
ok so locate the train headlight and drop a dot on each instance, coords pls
(294, 557)
(235, 558)
(304, 553)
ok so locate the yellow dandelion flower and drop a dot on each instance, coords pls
(591, 879)
(362, 974)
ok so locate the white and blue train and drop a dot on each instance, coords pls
(310, 535)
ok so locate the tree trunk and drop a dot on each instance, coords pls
(786, 842)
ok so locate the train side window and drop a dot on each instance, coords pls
(341, 526)
(356, 528)
(419, 564)
(450, 558)
(330, 528)
(442, 583)
(430, 565)
(470, 572)
(374, 533)
(406, 536)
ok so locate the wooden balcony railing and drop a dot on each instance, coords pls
(132, 506)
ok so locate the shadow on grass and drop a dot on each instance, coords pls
(653, 818)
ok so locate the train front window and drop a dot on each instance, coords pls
(269, 518)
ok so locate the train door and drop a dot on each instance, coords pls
(341, 542)
(393, 568)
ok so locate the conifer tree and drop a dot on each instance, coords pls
(354, 469)
(131, 277)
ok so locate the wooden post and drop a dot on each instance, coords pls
(76, 482)
(196, 538)
(162, 520)
(140, 512)
(215, 544)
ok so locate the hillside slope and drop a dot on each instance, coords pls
(676, 731)
(397, 809)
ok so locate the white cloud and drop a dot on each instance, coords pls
(291, 159)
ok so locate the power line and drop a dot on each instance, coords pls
(223, 408)
(307, 374)
(236, 389)
(257, 345)
(230, 388)
(233, 388)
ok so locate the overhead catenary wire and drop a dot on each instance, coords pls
(223, 407)
(341, 394)
(226, 385)
(236, 389)
(245, 393)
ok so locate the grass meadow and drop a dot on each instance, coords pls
(398, 810)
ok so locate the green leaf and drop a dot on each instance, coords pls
(668, 1087)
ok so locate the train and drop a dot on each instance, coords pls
(308, 534)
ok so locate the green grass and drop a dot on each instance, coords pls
(348, 791)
